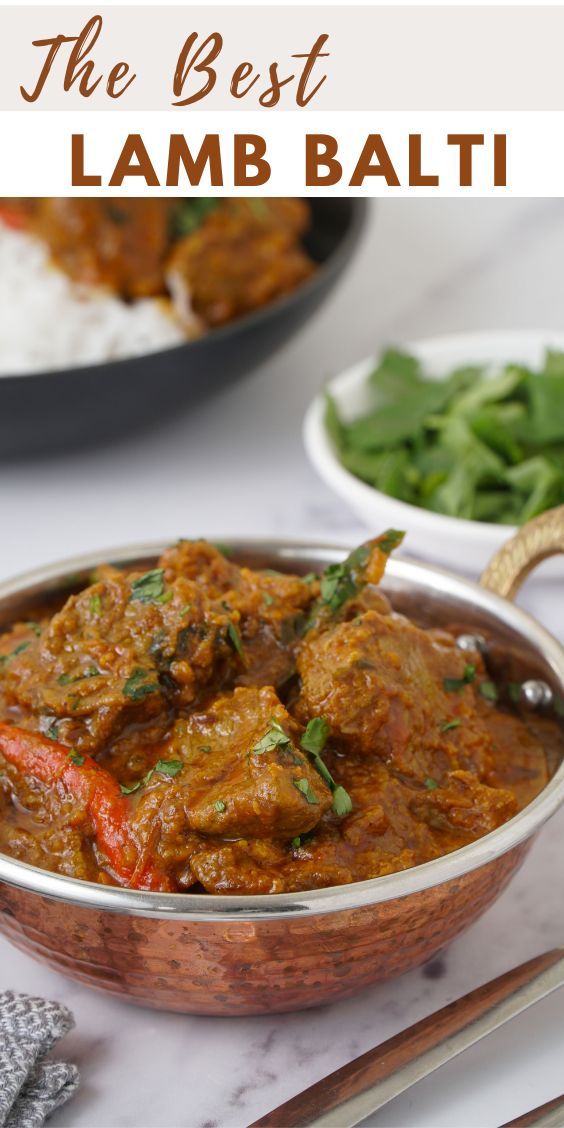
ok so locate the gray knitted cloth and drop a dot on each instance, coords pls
(30, 1087)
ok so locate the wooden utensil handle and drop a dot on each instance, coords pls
(370, 1081)
(535, 542)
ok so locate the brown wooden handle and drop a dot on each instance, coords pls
(390, 1057)
(535, 542)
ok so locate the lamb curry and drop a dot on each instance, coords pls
(205, 726)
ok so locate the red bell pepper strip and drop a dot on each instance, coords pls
(13, 218)
(51, 763)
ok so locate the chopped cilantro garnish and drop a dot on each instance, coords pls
(20, 649)
(296, 843)
(267, 598)
(448, 725)
(307, 791)
(52, 732)
(163, 767)
(169, 767)
(187, 607)
(389, 540)
(76, 758)
(70, 679)
(315, 736)
(149, 587)
(488, 689)
(274, 737)
(342, 802)
(309, 578)
(204, 748)
(136, 686)
(95, 604)
(313, 741)
(220, 806)
(165, 597)
(453, 685)
(35, 627)
(514, 691)
(235, 639)
(431, 784)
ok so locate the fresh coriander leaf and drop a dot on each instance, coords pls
(309, 578)
(307, 791)
(453, 685)
(137, 687)
(315, 736)
(431, 784)
(32, 625)
(189, 214)
(166, 597)
(274, 737)
(235, 639)
(187, 607)
(514, 692)
(488, 690)
(135, 786)
(76, 758)
(267, 598)
(169, 767)
(296, 843)
(389, 540)
(342, 802)
(148, 588)
(204, 748)
(52, 731)
(448, 725)
(20, 649)
(220, 806)
(95, 604)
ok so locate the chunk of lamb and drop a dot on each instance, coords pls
(381, 682)
(118, 652)
(244, 777)
(267, 608)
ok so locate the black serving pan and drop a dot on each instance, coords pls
(72, 407)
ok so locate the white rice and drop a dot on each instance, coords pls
(47, 322)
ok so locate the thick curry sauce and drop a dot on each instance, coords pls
(205, 726)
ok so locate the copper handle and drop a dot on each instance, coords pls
(535, 542)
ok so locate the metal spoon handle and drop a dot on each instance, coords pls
(368, 1082)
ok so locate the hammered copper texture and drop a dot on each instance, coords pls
(249, 967)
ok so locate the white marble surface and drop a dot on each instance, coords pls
(237, 466)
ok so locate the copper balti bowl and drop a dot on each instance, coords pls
(205, 954)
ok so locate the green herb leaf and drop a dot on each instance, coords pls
(204, 748)
(32, 625)
(190, 214)
(389, 540)
(95, 604)
(296, 843)
(135, 786)
(488, 690)
(342, 802)
(70, 679)
(187, 607)
(431, 783)
(304, 786)
(166, 597)
(235, 639)
(454, 685)
(76, 758)
(148, 588)
(52, 731)
(315, 736)
(309, 578)
(514, 692)
(267, 598)
(220, 806)
(274, 737)
(169, 767)
(448, 725)
(137, 687)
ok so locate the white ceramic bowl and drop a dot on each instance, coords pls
(452, 541)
